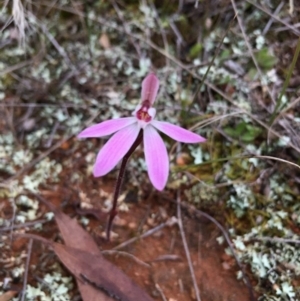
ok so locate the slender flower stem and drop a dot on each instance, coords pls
(113, 211)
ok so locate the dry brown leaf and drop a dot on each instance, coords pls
(8, 296)
(83, 258)
(75, 236)
(104, 41)
(100, 273)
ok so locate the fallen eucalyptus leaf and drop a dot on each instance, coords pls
(100, 273)
(75, 236)
(97, 278)
(8, 296)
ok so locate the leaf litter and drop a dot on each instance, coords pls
(97, 278)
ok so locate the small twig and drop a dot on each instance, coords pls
(162, 30)
(24, 225)
(292, 28)
(167, 257)
(270, 22)
(275, 159)
(26, 269)
(53, 41)
(280, 105)
(45, 154)
(278, 240)
(150, 232)
(16, 67)
(125, 254)
(291, 9)
(199, 87)
(287, 108)
(177, 33)
(160, 292)
(14, 207)
(113, 211)
(262, 78)
(53, 131)
(226, 236)
(119, 13)
(186, 248)
(41, 105)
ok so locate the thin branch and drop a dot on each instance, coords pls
(53, 41)
(198, 90)
(119, 13)
(231, 247)
(292, 28)
(162, 30)
(271, 20)
(16, 67)
(45, 154)
(278, 240)
(150, 232)
(125, 254)
(291, 9)
(186, 248)
(160, 292)
(262, 77)
(24, 225)
(287, 108)
(26, 269)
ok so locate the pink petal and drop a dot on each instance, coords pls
(156, 158)
(177, 133)
(106, 128)
(115, 149)
(150, 86)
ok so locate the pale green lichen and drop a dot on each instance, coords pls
(57, 289)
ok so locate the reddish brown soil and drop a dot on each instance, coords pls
(163, 252)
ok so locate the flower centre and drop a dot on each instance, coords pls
(143, 115)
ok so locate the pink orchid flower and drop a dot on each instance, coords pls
(126, 132)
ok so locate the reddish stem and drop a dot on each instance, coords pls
(113, 211)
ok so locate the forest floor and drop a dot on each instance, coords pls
(227, 225)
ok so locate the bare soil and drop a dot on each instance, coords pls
(158, 262)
